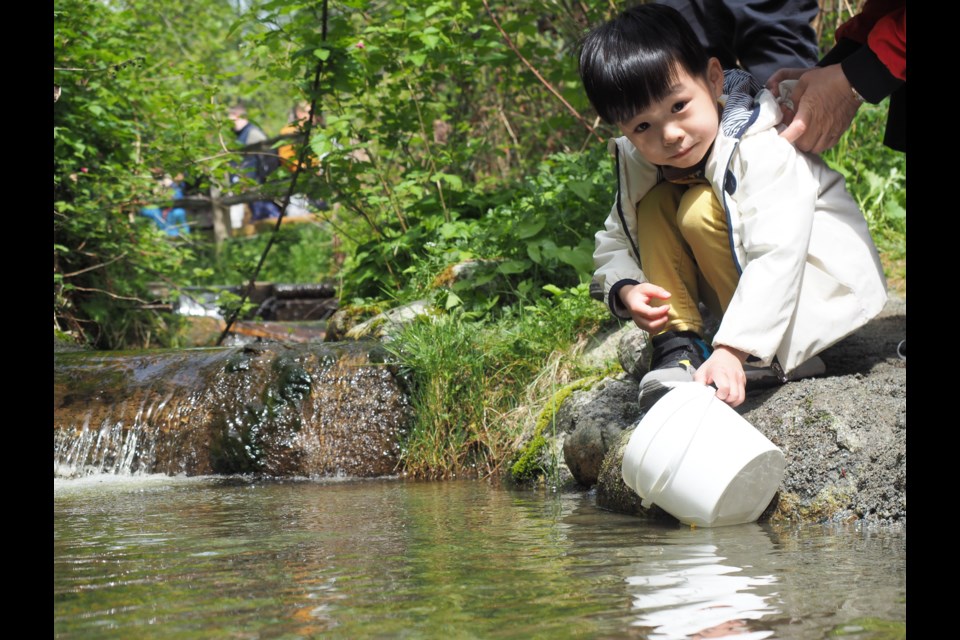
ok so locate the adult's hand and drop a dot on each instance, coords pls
(825, 106)
(773, 84)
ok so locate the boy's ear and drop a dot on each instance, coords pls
(715, 77)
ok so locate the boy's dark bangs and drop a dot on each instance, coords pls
(650, 77)
(632, 61)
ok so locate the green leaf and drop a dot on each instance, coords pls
(323, 54)
(454, 181)
(581, 188)
(894, 211)
(453, 300)
(513, 266)
(529, 228)
(429, 40)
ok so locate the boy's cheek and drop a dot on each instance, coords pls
(638, 145)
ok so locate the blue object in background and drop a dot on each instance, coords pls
(172, 220)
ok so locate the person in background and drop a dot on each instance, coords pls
(867, 64)
(170, 220)
(256, 165)
(300, 205)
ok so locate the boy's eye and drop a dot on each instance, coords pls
(679, 106)
(640, 128)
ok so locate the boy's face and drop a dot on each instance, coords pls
(678, 130)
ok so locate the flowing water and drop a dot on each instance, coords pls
(214, 557)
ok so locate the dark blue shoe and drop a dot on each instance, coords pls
(676, 356)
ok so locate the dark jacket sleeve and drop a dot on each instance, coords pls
(762, 36)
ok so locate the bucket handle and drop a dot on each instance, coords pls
(677, 460)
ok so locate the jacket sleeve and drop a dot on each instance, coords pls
(872, 49)
(776, 197)
(616, 258)
(768, 36)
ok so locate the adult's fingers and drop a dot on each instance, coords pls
(773, 83)
(795, 131)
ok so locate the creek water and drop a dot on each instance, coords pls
(235, 557)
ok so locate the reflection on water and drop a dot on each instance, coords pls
(164, 557)
(695, 593)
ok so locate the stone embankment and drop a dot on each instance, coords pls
(843, 434)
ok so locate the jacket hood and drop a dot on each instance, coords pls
(747, 106)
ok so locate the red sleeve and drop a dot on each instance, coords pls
(882, 25)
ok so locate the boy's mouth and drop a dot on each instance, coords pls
(681, 154)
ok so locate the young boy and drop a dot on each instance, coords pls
(713, 206)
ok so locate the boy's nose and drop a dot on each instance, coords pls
(672, 135)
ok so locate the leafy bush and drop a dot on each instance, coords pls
(134, 98)
(302, 253)
(876, 177)
(467, 376)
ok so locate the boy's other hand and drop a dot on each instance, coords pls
(724, 370)
(637, 299)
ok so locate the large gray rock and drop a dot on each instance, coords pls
(384, 325)
(625, 344)
(635, 351)
(594, 420)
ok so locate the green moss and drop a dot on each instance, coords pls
(875, 629)
(828, 503)
(528, 463)
(63, 341)
(293, 381)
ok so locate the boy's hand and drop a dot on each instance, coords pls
(724, 369)
(637, 297)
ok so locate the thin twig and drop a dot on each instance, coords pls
(110, 67)
(543, 80)
(426, 141)
(348, 202)
(586, 140)
(391, 197)
(96, 266)
(506, 123)
(112, 295)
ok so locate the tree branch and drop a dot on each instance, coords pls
(112, 295)
(96, 266)
(543, 80)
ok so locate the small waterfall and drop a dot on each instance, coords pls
(275, 409)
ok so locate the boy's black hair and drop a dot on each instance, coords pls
(631, 61)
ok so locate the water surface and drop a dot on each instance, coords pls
(162, 557)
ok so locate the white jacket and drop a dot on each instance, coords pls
(810, 273)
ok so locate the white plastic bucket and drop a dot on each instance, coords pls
(700, 461)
